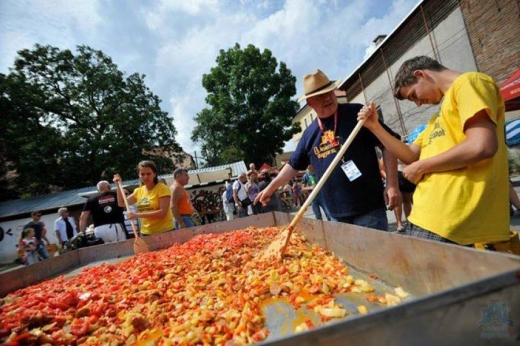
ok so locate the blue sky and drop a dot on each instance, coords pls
(174, 42)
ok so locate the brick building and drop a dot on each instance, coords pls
(464, 35)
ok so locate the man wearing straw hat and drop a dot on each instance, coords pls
(354, 192)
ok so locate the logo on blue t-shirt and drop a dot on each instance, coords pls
(328, 146)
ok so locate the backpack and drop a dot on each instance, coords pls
(81, 240)
(229, 193)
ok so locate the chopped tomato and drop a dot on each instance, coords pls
(79, 326)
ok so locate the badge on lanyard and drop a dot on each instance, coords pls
(351, 170)
(331, 137)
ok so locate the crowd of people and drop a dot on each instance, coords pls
(456, 170)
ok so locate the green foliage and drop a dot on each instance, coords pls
(250, 108)
(72, 120)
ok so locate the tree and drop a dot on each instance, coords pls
(75, 119)
(250, 111)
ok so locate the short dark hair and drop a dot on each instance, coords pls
(149, 164)
(178, 172)
(405, 77)
(36, 213)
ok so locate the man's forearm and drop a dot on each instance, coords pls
(83, 222)
(390, 163)
(397, 148)
(480, 144)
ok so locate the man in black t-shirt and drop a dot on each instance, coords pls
(107, 215)
(354, 192)
(40, 233)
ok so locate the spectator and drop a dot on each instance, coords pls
(354, 192)
(28, 246)
(252, 191)
(65, 226)
(40, 233)
(228, 207)
(252, 169)
(109, 223)
(407, 188)
(296, 192)
(240, 196)
(275, 202)
(514, 201)
(309, 181)
(180, 205)
(151, 199)
(459, 162)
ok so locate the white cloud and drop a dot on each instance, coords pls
(83, 14)
(189, 7)
(175, 42)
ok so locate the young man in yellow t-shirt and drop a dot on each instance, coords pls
(459, 162)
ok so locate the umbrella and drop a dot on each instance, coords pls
(511, 92)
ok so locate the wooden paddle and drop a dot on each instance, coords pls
(139, 244)
(279, 244)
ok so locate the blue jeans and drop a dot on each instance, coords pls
(188, 221)
(375, 219)
(243, 212)
(318, 202)
(42, 250)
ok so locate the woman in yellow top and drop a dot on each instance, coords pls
(151, 199)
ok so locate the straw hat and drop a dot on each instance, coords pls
(317, 83)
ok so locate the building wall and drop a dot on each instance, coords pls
(13, 229)
(451, 42)
(494, 32)
(475, 36)
(305, 114)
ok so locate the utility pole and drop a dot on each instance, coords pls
(196, 161)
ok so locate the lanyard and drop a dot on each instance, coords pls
(320, 124)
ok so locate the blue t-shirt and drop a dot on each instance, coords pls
(344, 198)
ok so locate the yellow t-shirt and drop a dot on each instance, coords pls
(470, 204)
(149, 201)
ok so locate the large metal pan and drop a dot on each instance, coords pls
(461, 295)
